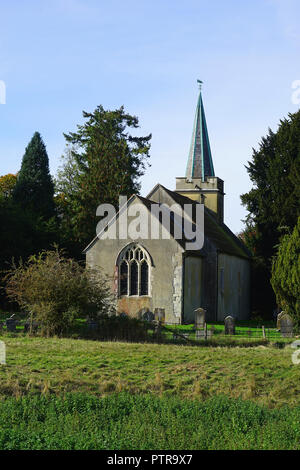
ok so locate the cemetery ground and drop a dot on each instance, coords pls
(64, 393)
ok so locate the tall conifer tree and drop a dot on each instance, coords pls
(34, 189)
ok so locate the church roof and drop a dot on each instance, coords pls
(218, 233)
(200, 164)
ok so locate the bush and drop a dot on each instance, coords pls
(54, 290)
(286, 274)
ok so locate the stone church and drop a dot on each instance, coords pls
(149, 272)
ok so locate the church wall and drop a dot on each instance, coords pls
(192, 287)
(233, 287)
(165, 274)
(210, 281)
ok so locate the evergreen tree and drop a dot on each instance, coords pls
(286, 273)
(34, 189)
(273, 202)
(103, 161)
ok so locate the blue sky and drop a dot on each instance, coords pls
(59, 57)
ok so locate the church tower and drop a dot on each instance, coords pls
(200, 182)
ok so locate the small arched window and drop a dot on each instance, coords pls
(134, 271)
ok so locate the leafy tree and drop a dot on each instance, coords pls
(7, 185)
(34, 189)
(103, 161)
(55, 290)
(273, 202)
(286, 273)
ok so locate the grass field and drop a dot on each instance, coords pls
(36, 365)
(83, 394)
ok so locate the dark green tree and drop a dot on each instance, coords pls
(103, 161)
(34, 189)
(286, 274)
(273, 202)
(21, 235)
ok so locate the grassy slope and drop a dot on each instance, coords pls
(263, 374)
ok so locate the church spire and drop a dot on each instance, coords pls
(200, 164)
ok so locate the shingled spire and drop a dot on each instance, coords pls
(200, 164)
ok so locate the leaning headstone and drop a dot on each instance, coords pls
(229, 325)
(286, 326)
(200, 314)
(2, 353)
(11, 323)
(159, 314)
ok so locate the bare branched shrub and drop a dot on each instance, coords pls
(55, 290)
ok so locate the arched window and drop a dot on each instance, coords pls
(134, 278)
(134, 271)
(123, 278)
(144, 277)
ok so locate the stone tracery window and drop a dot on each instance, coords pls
(134, 270)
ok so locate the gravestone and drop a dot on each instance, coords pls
(200, 315)
(159, 314)
(279, 318)
(202, 334)
(148, 316)
(229, 325)
(11, 323)
(286, 326)
(2, 353)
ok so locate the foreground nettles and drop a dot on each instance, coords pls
(125, 421)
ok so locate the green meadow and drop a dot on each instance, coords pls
(37, 365)
(82, 394)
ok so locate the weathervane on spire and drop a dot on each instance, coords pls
(200, 84)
